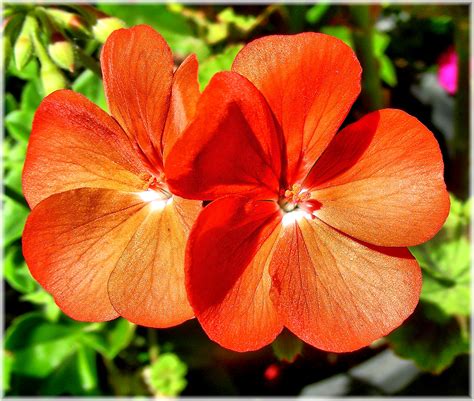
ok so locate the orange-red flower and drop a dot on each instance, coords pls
(307, 229)
(106, 237)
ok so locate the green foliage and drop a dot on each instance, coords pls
(166, 376)
(317, 12)
(381, 41)
(91, 86)
(446, 263)
(287, 347)
(438, 331)
(175, 28)
(433, 346)
(219, 62)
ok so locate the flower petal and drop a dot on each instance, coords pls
(137, 67)
(184, 98)
(338, 294)
(227, 276)
(74, 144)
(147, 284)
(74, 240)
(381, 181)
(231, 147)
(310, 81)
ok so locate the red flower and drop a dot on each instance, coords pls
(307, 229)
(106, 237)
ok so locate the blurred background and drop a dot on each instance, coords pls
(415, 58)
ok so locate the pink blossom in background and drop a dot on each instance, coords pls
(448, 70)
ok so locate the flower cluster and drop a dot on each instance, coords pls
(307, 227)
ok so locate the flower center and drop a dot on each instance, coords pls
(158, 185)
(291, 198)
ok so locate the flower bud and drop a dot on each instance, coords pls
(23, 47)
(70, 21)
(51, 77)
(61, 52)
(105, 26)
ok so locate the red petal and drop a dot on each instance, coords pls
(338, 294)
(227, 272)
(381, 181)
(74, 240)
(184, 97)
(147, 284)
(137, 66)
(230, 148)
(310, 81)
(74, 144)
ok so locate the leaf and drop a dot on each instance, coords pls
(216, 63)
(42, 298)
(446, 261)
(431, 345)
(287, 347)
(166, 376)
(18, 124)
(14, 215)
(91, 86)
(16, 272)
(76, 376)
(173, 26)
(39, 346)
(28, 72)
(387, 71)
(31, 96)
(7, 368)
(242, 22)
(316, 12)
(339, 31)
(113, 338)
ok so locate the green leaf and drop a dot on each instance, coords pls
(339, 31)
(166, 376)
(42, 298)
(31, 96)
(28, 73)
(39, 346)
(433, 346)
(7, 368)
(76, 376)
(173, 26)
(316, 12)
(16, 272)
(91, 86)
(242, 22)
(219, 62)
(113, 338)
(287, 347)
(14, 215)
(18, 124)
(387, 71)
(446, 261)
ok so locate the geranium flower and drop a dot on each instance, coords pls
(106, 237)
(307, 229)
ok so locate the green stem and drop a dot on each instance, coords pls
(363, 37)
(88, 61)
(153, 349)
(460, 169)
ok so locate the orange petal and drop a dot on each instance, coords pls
(310, 81)
(231, 147)
(74, 144)
(147, 284)
(137, 66)
(184, 97)
(381, 181)
(227, 276)
(338, 294)
(74, 240)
